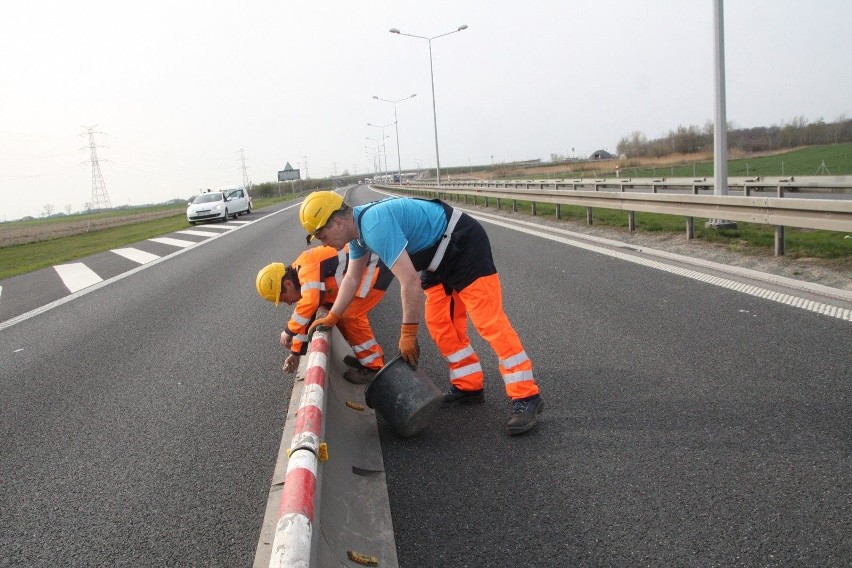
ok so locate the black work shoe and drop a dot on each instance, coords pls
(353, 362)
(457, 396)
(360, 376)
(524, 415)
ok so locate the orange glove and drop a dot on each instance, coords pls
(408, 347)
(328, 321)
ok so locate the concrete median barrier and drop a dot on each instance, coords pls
(334, 512)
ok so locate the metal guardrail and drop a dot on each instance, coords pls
(776, 210)
(841, 185)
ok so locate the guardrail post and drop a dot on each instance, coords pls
(486, 202)
(690, 228)
(533, 209)
(558, 211)
(779, 240)
(589, 216)
(631, 220)
(474, 199)
(514, 206)
(498, 204)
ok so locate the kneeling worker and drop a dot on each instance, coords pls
(312, 280)
(452, 254)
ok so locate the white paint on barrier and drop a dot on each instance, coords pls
(136, 255)
(77, 276)
(292, 545)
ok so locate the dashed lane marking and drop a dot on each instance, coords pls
(77, 276)
(198, 233)
(173, 242)
(136, 255)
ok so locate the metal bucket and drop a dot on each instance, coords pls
(406, 400)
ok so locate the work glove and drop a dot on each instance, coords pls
(328, 321)
(408, 347)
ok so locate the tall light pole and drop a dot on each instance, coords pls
(378, 150)
(396, 128)
(720, 130)
(384, 148)
(432, 77)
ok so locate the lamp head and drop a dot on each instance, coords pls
(394, 31)
(462, 27)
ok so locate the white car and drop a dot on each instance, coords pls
(218, 206)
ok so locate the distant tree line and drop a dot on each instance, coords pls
(693, 139)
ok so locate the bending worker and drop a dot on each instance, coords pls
(312, 280)
(452, 254)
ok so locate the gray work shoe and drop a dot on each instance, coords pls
(456, 396)
(524, 415)
(353, 362)
(360, 376)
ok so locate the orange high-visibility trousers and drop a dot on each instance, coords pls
(355, 328)
(482, 300)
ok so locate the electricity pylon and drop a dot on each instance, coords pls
(245, 172)
(100, 197)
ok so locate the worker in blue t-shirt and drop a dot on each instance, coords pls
(435, 249)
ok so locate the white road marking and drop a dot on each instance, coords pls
(790, 300)
(77, 276)
(136, 255)
(173, 242)
(198, 233)
(219, 228)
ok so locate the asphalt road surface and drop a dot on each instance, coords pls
(686, 424)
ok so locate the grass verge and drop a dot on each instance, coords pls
(21, 259)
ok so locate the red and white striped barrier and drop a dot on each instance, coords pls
(291, 547)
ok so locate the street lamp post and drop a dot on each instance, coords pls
(384, 147)
(432, 77)
(379, 151)
(396, 128)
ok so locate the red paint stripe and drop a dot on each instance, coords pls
(315, 376)
(319, 344)
(298, 496)
(308, 419)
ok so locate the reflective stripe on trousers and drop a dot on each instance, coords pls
(446, 318)
(355, 329)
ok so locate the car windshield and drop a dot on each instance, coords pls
(209, 197)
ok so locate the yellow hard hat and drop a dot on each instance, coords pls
(316, 209)
(269, 282)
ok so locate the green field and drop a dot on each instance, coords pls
(836, 158)
(20, 259)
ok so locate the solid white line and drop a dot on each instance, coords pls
(136, 255)
(173, 242)
(198, 233)
(77, 276)
(812, 306)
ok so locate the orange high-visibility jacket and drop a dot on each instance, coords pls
(320, 271)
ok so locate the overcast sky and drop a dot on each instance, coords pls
(177, 88)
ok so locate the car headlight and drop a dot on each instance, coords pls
(217, 208)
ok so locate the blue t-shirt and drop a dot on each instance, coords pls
(396, 224)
